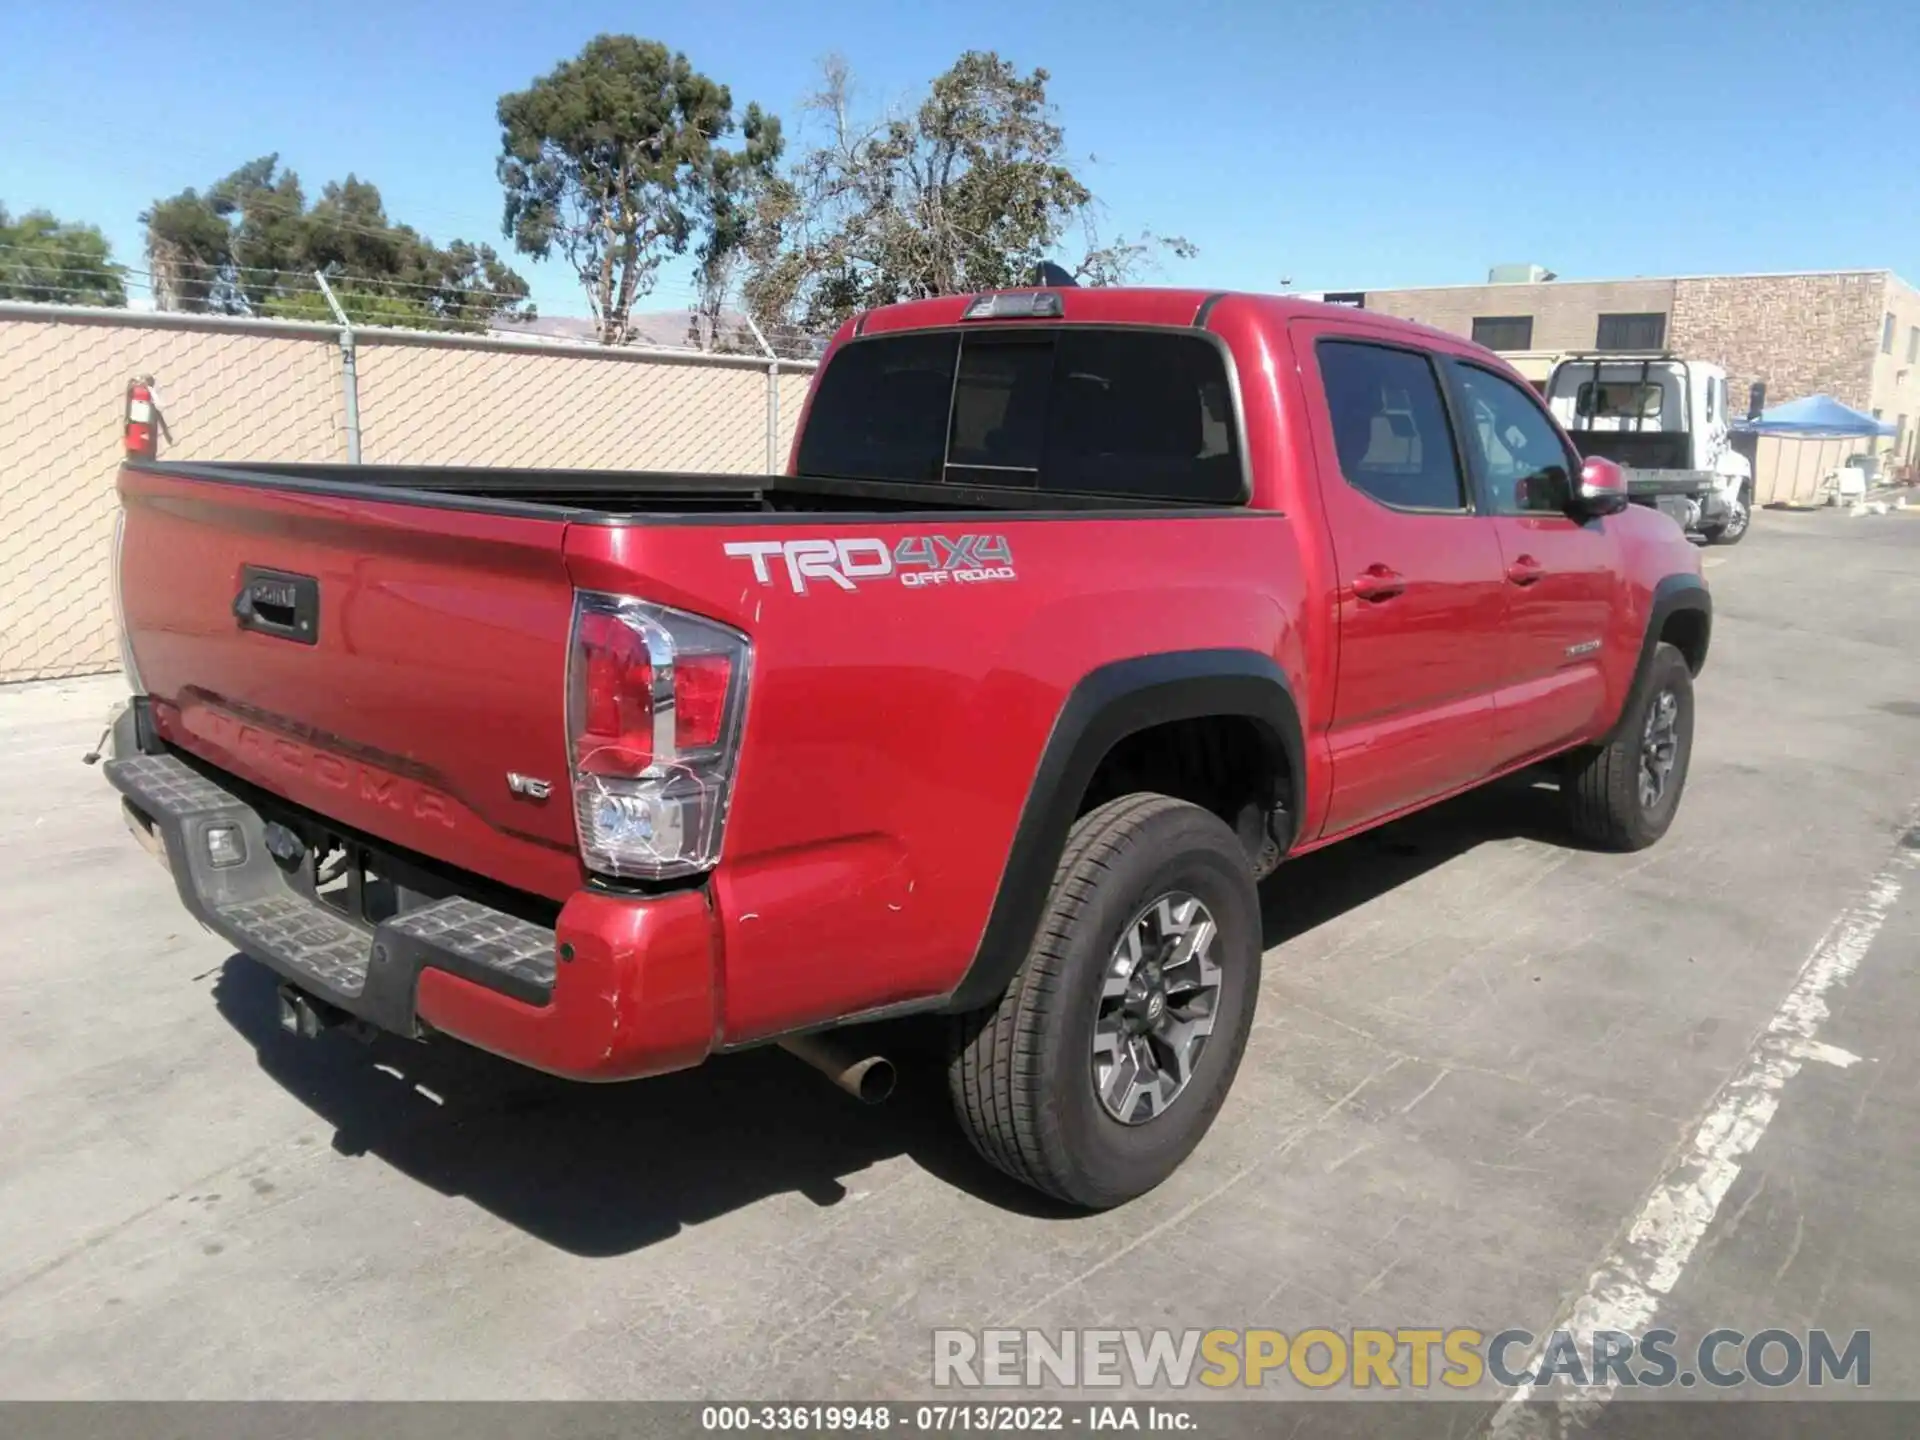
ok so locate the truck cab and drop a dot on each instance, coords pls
(1664, 420)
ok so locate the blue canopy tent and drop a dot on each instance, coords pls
(1815, 417)
(1820, 419)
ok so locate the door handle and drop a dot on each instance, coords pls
(1525, 570)
(1378, 582)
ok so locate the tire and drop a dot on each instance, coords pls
(1022, 1070)
(1607, 801)
(1735, 530)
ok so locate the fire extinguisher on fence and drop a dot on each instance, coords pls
(143, 420)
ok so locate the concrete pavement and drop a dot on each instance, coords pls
(1478, 1053)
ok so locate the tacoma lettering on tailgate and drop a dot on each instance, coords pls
(371, 785)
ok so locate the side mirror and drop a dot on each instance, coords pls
(1602, 489)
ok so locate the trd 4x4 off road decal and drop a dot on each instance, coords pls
(917, 561)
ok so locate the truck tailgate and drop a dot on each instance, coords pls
(400, 661)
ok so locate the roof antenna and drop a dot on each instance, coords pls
(1051, 274)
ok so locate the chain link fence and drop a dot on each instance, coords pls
(439, 404)
(242, 389)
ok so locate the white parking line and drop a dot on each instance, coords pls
(1625, 1292)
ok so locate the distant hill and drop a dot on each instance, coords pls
(656, 329)
(663, 329)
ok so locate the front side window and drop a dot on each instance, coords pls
(1525, 465)
(1390, 426)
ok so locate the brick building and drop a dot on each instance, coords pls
(1851, 334)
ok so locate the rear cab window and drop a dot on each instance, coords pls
(1131, 413)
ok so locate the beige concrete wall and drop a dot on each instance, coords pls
(227, 394)
(1566, 313)
(236, 390)
(1894, 386)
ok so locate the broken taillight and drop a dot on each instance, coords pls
(654, 703)
(700, 685)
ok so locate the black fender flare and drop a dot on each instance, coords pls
(1103, 708)
(1672, 595)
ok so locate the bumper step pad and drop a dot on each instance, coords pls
(517, 953)
(308, 938)
(366, 970)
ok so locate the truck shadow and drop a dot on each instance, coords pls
(604, 1170)
(1308, 892)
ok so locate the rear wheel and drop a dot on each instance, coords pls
(1107, 1058)
(1738, 520)
(1624, 794)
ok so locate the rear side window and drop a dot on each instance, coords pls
(1140, 414)
(881, 411)
(1000, 409)
(1390, 426)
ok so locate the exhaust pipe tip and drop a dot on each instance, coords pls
(872, 1080)
(868, 1078)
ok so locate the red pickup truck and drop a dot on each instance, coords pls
(1077, 612)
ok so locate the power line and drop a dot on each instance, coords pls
(270, 201)
(217, 272)
(209, 272)
(238, 289)
(89, 256)
(210, 275)
(352, 227)
(667, 306)
(224, 269)
(789, 341)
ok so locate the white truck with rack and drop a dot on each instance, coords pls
(1665, 421)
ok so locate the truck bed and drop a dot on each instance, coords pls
(1636, 449)
(388, 652)
(597, 495)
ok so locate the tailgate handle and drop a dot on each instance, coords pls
(277, 603)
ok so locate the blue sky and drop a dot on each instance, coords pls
(1365, 144)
